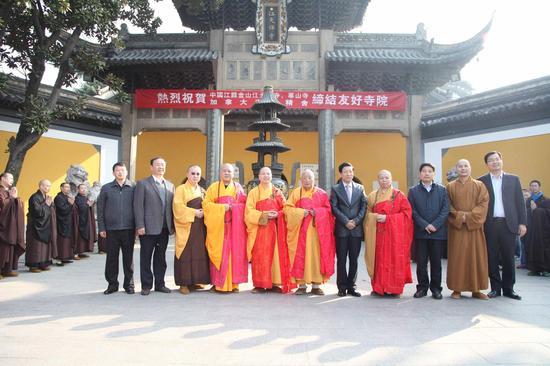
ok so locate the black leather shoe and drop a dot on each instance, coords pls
(163, 289)
(512, 295)
(145, 291)
(130, 291)
(437, 295)
(420, 293)
(354, 293)
(110, 290)
(493, 294)
(341, 293)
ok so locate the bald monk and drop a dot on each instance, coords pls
(86, 233)
(191, 265)
(12, 225)
(267, 247)
(226, 232)
(310, 237)
(388, 238)
(41, 230)
(64, 209)
(467, 265)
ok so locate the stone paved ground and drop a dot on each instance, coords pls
(62, 318)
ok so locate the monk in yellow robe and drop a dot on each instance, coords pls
(191, 264)
(266, 244)
(226, 232)
(467, 264)
(310, 237)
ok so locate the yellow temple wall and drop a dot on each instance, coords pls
(527, 157)
(179, 148)
(49, 159)
(368, 152)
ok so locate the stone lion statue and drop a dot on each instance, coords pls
(452, 175)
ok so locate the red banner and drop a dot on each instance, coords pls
(244, 99)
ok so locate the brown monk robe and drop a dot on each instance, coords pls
(191, 262)
(64, 206)
(41, 230)
(86, 235)
(467, 265)
(12, 225)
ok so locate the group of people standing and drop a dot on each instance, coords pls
(290, 243)
(60, 229)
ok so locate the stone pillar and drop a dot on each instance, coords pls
(415, 151)
(129, 138)
(326, 149)
(214, 145)
(326, 43)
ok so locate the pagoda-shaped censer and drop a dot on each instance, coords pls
(268, 106)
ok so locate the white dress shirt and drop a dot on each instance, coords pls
(498, 208)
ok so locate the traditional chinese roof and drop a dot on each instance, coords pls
(272, 145)
(186, 55)
(97, 115)
(397, 62)
(340, 15)
(495, 109)
(268, 100)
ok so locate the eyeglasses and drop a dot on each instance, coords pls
(195, 173)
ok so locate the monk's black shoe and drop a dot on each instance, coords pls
(110, 290)
(493, 294)
(420, 293)
(341, 293)
(437, 295)
(512, 295)
(130, 290)
(354, 293)
(145, 291)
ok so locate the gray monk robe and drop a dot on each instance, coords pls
(41, 232)
(12, 226)
(65, 227)
(85, 222)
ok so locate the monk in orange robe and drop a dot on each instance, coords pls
(12, 227)
(467, 266)
(266, 245)
(310, 237)
(223, 207)
(191, 265)
(388, 238)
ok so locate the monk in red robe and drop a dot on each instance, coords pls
(388, 238)
(86, 234)
(226, 232)
(267, 246)
(310, 238)
(12, 226)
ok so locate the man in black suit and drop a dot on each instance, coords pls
(349, 205)
(506, 219)
(153, 198)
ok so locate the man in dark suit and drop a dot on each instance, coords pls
(506, 219)
(349, 205)
(153, 199)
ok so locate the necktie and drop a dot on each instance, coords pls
(348, 192)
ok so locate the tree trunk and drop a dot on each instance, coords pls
(25, 139)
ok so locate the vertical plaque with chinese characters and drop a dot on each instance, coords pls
(271, 28)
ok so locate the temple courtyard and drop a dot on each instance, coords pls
(61, 317)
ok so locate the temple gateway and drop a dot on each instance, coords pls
(298, 46)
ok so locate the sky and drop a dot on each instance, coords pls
(516, 48)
